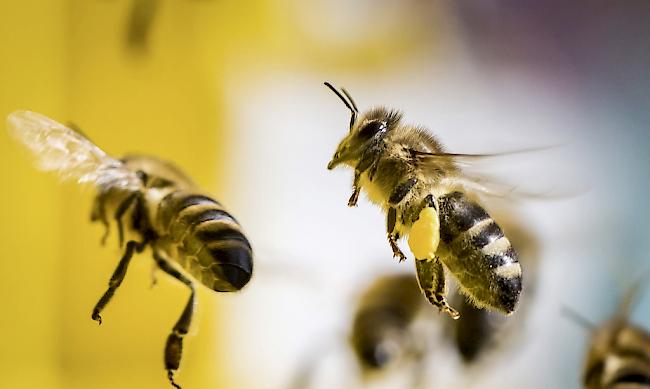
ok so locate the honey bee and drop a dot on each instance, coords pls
(191, 235)
(406, 171)
(619, 353)
(389, 329)
(381, 334)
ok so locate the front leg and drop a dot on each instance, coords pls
(368, 162)
(399, 193)
(431, 279)
(392, 235)
(352, 202)
(117, 277)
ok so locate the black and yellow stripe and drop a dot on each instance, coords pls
(211, 244)
(482, 258)
(619, 357)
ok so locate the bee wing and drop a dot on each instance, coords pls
(61, 149)
(492, 174)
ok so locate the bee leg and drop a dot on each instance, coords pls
(154, 278)
(431, 278)
(117, 277)
(121, 210)
(399, 193)
(99, 213)
(352, 202)
(392, 236)
(174, 345)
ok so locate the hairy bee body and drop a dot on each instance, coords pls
(406, 171)
(191, 229)
(206, 240)
(482, 258)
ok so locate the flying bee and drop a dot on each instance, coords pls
(389, 330)
(619, 353)
(381, 326)
(191, 235)
(406, 171)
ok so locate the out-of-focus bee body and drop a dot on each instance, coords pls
(385, 313)
(619, 353)
(406, 171)
(157, 205)
(474, 330)
(619, 357)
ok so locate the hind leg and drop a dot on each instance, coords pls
(174, 345)
(431, 279)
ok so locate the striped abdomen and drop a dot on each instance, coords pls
(209, 241)
(619, 357)
(482, 259)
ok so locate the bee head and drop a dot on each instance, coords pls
(363, 129)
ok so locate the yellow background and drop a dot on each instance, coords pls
(68, 60)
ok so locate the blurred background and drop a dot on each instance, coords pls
(232, 92)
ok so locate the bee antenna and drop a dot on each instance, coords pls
(628, 300)
(350, 99)
(577, 318)
(350, 104)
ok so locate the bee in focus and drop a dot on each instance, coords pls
(381, 329)
(406, 171)
(479, 330)
(191, 236)
(619, 353)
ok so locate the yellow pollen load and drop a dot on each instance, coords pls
(425, 234)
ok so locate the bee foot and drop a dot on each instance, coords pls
(451, 311)
(397, 253)
(97, 317)
(105, 237)
(170, 376)
(352, 202)
(443, 305)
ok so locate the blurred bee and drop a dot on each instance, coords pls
(619, 353)
(189, 233)
(406, 171)
(381, 329)
(139, 24)
(388, 330)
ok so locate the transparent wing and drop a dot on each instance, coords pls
(61, 149)
(526, 173)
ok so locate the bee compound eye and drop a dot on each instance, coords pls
(369, 129)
